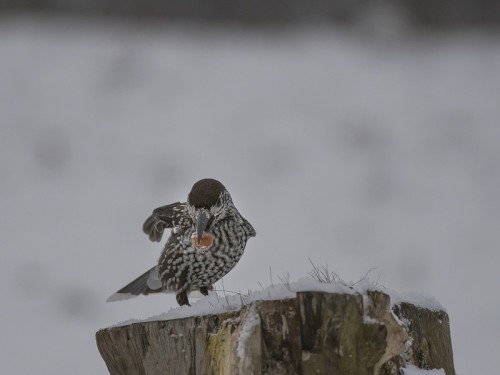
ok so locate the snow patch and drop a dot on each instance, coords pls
(252, 320)
(421, 300)
(367, 319)
(213, 304)
(412, 370)
(216, 304)
(307, 284)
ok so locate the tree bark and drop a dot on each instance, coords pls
(315, 333)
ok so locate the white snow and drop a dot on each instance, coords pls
(217, 303)
(337, 146)
(210, 305)
(412, 370)
(252, 320)
(423, 300)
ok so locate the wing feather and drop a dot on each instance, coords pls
(168, 216)
(149, 282)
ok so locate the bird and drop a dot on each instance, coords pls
(207, 239)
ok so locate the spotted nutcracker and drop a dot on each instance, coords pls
(207, 239)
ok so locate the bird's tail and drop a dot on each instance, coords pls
(149, 282)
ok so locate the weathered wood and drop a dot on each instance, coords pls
(315, 333)
(280, 325)
(431, 339)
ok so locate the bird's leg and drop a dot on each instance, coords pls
(204, 290)
(182, 298)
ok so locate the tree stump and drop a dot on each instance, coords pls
(314, 333)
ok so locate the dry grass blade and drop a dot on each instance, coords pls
(285, 280)
(322, 274)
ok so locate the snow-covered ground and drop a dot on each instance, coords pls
(351, 150)
(220, 300)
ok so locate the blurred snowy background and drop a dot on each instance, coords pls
(360, 146)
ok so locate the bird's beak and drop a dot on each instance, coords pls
(201, 223)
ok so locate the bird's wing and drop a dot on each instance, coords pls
(248, 227)
(168, 216)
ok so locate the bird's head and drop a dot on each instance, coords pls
(208, 203)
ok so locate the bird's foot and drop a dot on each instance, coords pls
(182, 298)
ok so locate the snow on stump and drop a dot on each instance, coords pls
(354, 332)
(313, 333)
